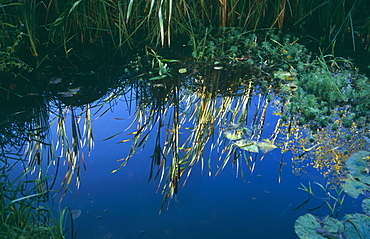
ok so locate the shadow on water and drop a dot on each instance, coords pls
(191, 126)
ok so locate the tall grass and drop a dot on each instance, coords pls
(158, 21)
(24, 212)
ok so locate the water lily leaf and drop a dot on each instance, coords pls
(353, 187)
(251, 148)
(357, 226)
(248, 145)
(333, 227)
(266, 145)
(236, 131)
(366, 206)
(306, 226)
(358, 166)
(233, 134)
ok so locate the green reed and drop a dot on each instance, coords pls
(158, 21)
(24, 212)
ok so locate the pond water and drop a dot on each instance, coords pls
(125, 205)
(189, 151)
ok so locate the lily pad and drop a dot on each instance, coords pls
(233, 134)
(366, 206)
(357, 226)
(237, 131)
(266, 145)
(306, 226)
(333, 226)
(354, 187)
(251, 148)
(248, 145)
(358, 166)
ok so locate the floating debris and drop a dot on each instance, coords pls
(70, 93)
(55, 80)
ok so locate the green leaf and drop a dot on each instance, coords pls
(357, 226)
(233, 134)
(357, 165)
(251, 148)
(306, 226)
(266, 145)
(353, 187)
(333, 226)
(158, 77)
(366, 206)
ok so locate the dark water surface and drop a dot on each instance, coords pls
(124, 205)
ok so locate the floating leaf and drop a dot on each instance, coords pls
(284, 75)
(233, 134)
(243, 143)
(306, 226)
(266, 145)
(248, 145)
(251, 148)
(182, 70)
(353, 187)
(357, 226)
(366, 206)
(358, 166)
(333, 227)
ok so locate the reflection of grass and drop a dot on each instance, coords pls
(188, 123)
(189, 111)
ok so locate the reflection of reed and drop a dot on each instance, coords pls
(199, 115)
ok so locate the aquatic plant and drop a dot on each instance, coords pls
(24, 212)
(351, 226)
(356, 225)
(198, 105)
(67, 23)
(266, 66)
(358, 180)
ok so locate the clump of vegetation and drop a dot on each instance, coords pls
(11, 67)
(355, 225)
(24, 212)
(310, 88)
